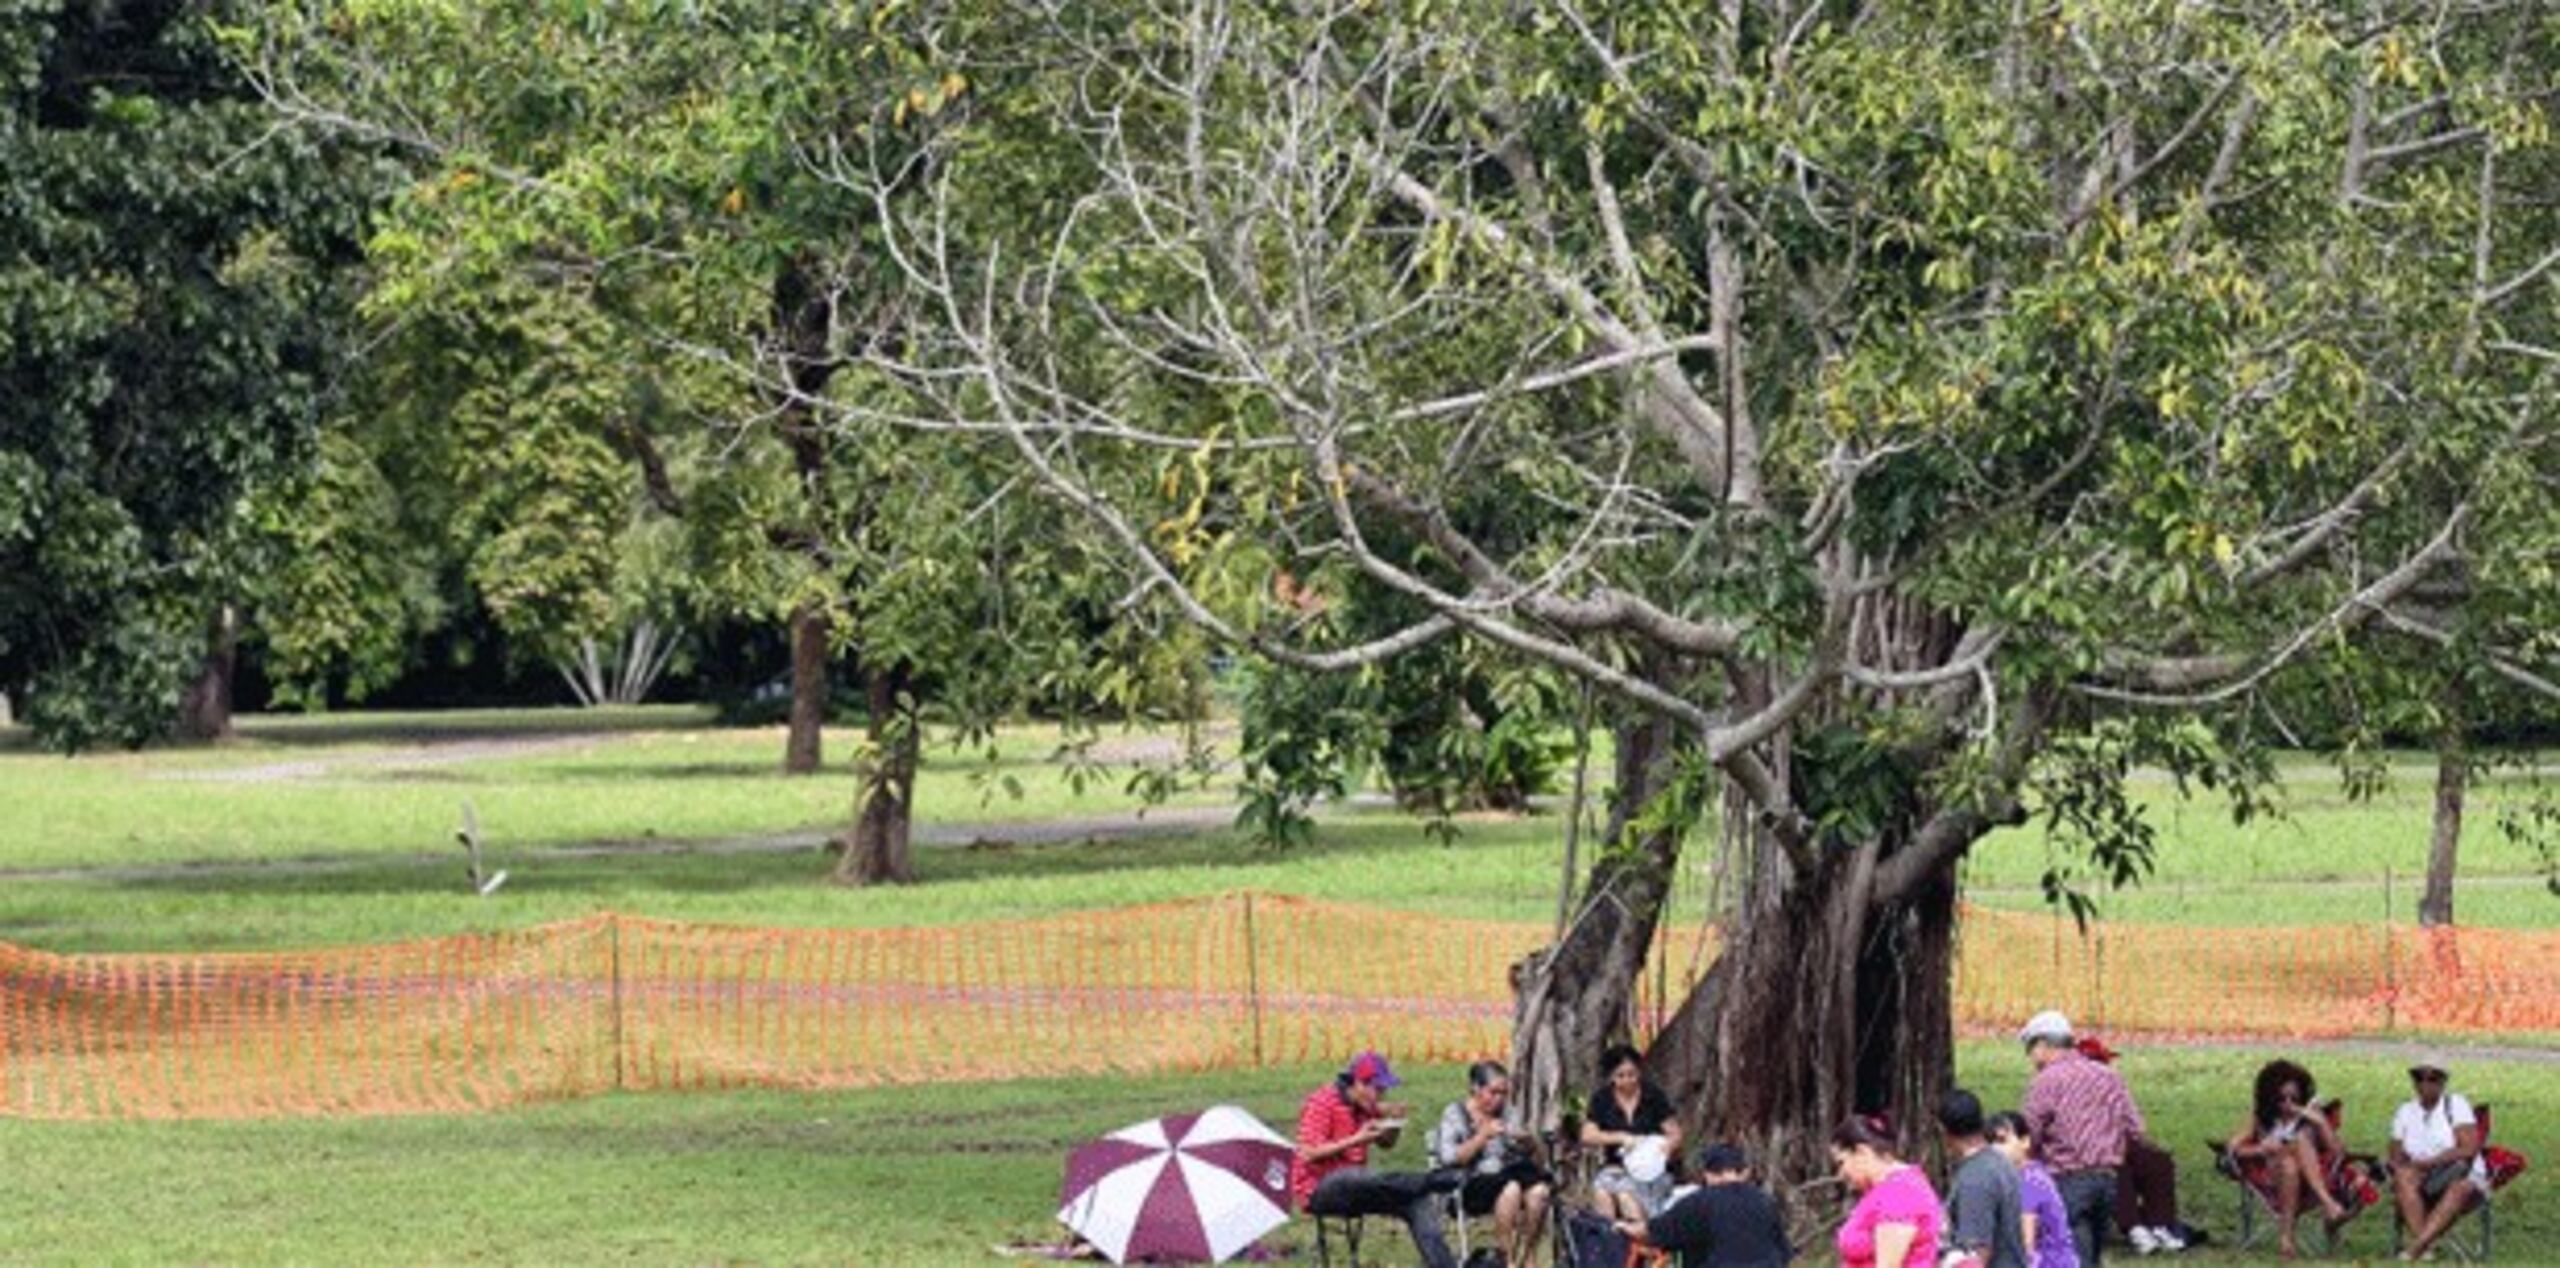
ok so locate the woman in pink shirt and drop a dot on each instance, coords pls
(1898, 1216)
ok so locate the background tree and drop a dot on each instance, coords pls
(1450, 727)
(612, 219)
(173, 300)
(1932, 411)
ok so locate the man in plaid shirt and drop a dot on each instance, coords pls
(2081, 1116)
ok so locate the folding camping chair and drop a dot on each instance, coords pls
(2349, 1176)
(1350, 1227)
(2503, 1165)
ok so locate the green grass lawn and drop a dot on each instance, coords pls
(889, 1176)
(379, 797)
(354, 785)
(893, 1176)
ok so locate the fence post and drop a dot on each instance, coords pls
(2098, 972)
(2390, 967)
(615, 923)
(1253, 978)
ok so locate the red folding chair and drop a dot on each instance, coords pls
(2503, 1165)
(2350, 1178)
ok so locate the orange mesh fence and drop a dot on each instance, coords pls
(2308, 981)
(451, 1024)
(610, 1002)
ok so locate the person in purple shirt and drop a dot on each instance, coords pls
(2047, 1228)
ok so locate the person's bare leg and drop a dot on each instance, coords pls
(2411, 1199)
(2457, 1199)
(2306, 1162)
(1533, 1223)
(1506, 1220)
(2288, 1202)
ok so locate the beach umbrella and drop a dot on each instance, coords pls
(1194, 1188)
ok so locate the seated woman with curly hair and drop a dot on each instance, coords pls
(2288, 1137)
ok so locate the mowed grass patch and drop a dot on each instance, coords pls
(899, 1176)
(675, 778)
(2317, 834)
(2482, 901)
(1494, 870)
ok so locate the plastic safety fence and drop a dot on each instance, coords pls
(452, 1024)
(613, 1002)
(2300, 982)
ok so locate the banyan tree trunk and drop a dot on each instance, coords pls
(1834, 1003)
(1830, 996)
(1571, 1000)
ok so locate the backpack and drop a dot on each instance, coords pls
(1593, 1242)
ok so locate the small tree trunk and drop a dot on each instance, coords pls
(204, 710)
(886, 779)
(2453, 774)
(800, 754)
(1571, 1000)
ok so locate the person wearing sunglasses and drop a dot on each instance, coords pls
(2295, 1143)
(2436, 1168)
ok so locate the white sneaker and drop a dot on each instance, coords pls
(2145, 1242)
(2167, 1239)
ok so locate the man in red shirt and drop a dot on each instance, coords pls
(1330, 1174)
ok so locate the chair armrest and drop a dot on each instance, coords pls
(2225, 1163)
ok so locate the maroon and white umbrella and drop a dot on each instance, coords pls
(1191, 1187)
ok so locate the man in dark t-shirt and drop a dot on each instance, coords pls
(1728, 1222)
(1983, 1199)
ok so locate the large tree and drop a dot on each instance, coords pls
(1913, 415)
(174, 295)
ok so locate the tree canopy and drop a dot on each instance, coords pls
(1923, 413)
(175, 282)
(611, 218)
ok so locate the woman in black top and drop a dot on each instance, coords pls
(1622, 1112)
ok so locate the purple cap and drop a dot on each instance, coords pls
(1371, 1068)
